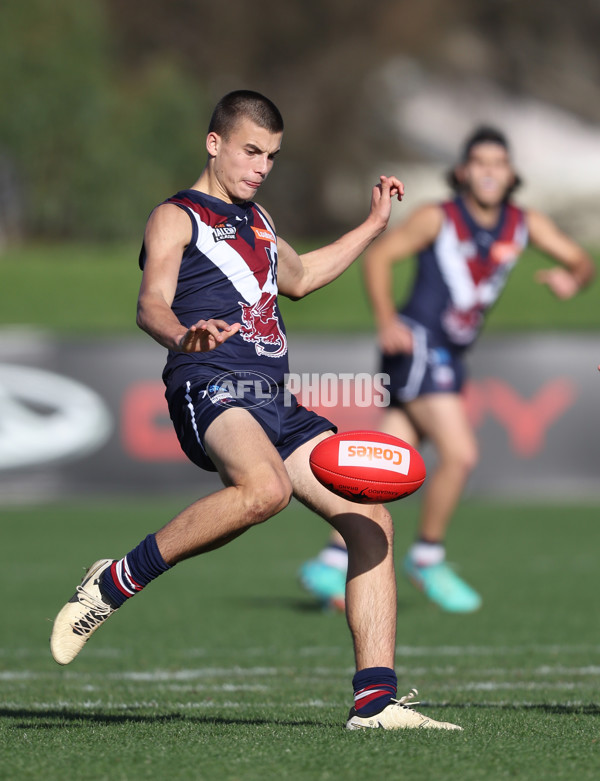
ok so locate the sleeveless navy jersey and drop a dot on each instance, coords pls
(228, 272)
(460, 276)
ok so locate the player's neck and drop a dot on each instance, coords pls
(484, 214)
(209, 185)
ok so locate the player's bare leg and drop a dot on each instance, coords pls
(397, 423)
(371, 583)
(441, 419)
(324, 576)
(257, 487)
(370, 600)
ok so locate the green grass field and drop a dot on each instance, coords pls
(224, 668)
(92, 290)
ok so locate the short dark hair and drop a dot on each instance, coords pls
(484, 134)
(241, 104)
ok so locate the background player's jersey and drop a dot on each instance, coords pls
(463, 272)
(228, 272)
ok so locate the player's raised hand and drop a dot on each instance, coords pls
(389, 187)
(207, 335)
(560, 281)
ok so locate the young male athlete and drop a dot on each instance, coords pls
(466, 248)
(212, 268)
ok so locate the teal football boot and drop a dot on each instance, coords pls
(443, 586)
(326, 583)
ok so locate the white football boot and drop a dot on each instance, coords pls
(81, 616)
(398, 715)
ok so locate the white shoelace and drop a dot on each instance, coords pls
(405, 702)
(98, 605)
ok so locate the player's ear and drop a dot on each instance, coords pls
(457, 176)
(515, 183)
(212, 143)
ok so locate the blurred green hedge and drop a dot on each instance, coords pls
(91, 289)
(83, 149)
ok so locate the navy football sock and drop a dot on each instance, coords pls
(374, 687)
(126, 577)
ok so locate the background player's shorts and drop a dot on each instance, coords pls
(430, 368)
(195, 405)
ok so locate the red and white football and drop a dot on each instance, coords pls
(367, 466)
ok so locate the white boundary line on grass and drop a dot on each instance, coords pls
(491, 650)
(324, 651)
(167, 676)
(413, 650)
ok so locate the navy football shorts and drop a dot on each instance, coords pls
(430, 368)
(195, 405)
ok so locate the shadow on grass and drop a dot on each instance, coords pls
(591, 709)
(48, 718)
(305, 605)
(299, 604)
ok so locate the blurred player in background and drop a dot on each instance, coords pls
(466, 248)
(213, 266)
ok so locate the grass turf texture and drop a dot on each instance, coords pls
(93, 290)
(224, 668)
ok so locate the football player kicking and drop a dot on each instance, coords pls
(466, 248)
(212, 268)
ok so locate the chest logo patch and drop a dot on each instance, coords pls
(224, 232)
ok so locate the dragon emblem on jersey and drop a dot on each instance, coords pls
(462, 326)
(261, 326)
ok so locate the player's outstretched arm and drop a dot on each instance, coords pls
(577, 267)
(167, 234)
(412, 235)
(299, 275)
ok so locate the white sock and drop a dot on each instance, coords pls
(427, 554)
(335, 557)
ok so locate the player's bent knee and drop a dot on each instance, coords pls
(463, 459)
(383, 518)
(267, 497)
(279, 494)
(469, 458)
(373, 539)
